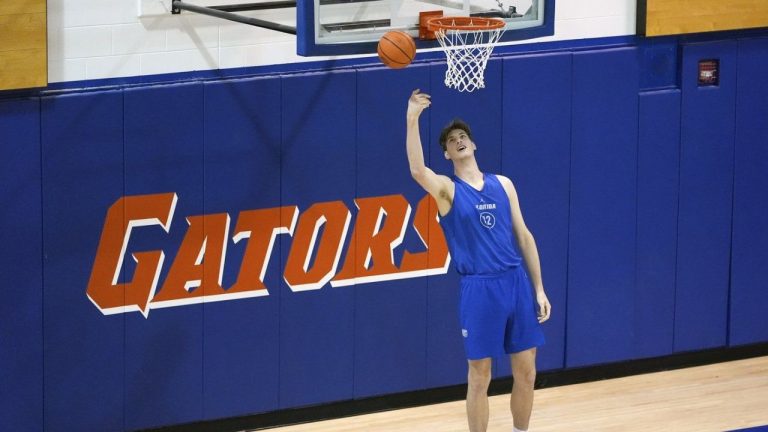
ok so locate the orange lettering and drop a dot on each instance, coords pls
(435, 260)
(333, 217)
(261, 227)
(199, 264)
(125, 214)
(196, 273)
(375, 239)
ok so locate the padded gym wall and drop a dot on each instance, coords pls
(628, 193)
(317, 166)
(535, 155)
(603, 207)
(21, 313)
(82, 175)
(658, 162)
(705, 204)
(164, 353)
(748, 297)
(400, 304)
(237, 125)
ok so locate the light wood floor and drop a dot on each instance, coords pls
(717, 397)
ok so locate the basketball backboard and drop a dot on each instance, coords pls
(331, 27)
(338, 27)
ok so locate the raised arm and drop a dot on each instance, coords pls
(439, 186)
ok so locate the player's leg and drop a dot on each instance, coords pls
(478, 380)
(524, 334)
(524, 374)
(483, 319)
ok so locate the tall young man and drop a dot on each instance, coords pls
(481, 217)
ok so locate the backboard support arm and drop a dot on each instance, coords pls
(224, 12)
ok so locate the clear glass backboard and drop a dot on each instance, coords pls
(329, 27)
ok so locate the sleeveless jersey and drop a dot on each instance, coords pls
(478, 228)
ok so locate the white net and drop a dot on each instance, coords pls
(467, 53)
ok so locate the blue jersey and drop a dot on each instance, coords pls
(478, 228)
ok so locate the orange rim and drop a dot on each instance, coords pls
(463, 23)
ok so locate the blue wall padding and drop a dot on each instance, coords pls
(536, 156)
(706, 186)
(659, 63)
(749, 296)
(242, 172)
(658, 160)
(82, 175)
(601, 264)
(21, 358)
(318, 164)
(444, 332)
(647, 208)
(390, 317)
(164, 354)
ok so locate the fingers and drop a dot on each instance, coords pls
(544, 311)
(418, 102)
(418, 95)
(422, 99)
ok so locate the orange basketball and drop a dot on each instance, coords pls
(396, 49)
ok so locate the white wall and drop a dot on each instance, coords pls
(93, 39)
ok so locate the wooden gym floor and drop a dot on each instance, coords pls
(718, 397)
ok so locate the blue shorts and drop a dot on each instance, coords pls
(498, 314)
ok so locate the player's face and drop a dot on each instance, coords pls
(458, 145)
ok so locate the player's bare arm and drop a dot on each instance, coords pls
(527, 245)
(439, 186)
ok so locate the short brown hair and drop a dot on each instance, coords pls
(456, 123)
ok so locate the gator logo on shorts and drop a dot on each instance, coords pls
(464, 332)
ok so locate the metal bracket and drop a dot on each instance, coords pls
(225, 12)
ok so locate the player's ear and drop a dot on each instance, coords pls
(446, 155)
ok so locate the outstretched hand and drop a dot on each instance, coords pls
(417, 103)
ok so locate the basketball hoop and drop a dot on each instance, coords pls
(468, 43)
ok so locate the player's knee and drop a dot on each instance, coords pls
(479, 378)
(479, 384)
(525, 377)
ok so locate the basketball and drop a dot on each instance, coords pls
(396, 49)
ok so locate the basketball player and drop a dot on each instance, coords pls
(480, 215)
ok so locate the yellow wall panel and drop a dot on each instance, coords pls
(23, 44)
(670, 17)
(23, 69)
(12, 7)
(22, 31)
